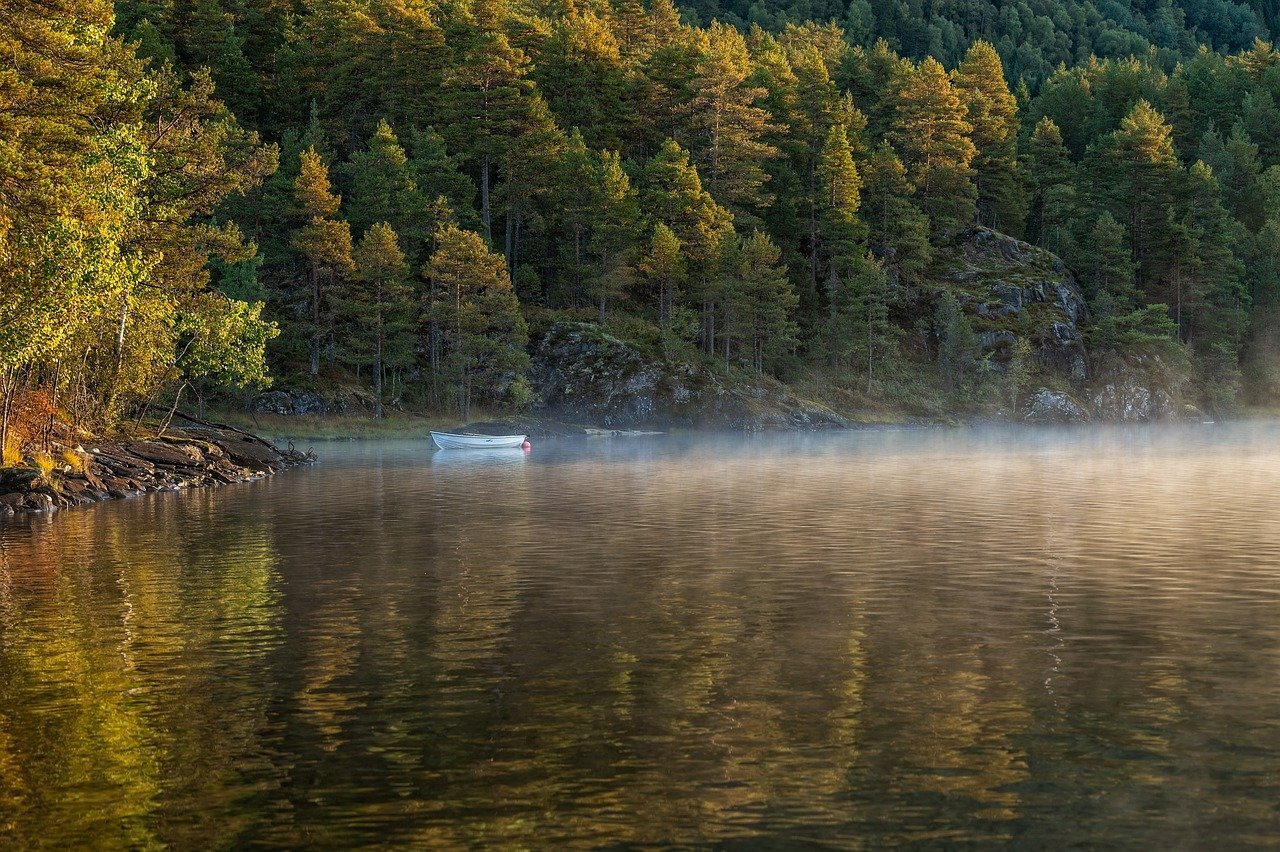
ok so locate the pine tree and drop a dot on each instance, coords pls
(931, 133)
(438, 174)
(842, 233)
(484, 329)
(1050, 178)
(758, 301)
(382, 187)
(323, 241)
(671, 192)
(379, 305)
(485, 103)
(898, 230)
(728, 127)
(958, 347)
(1213, 311)
(1135, 173)
(858, 332)
(582, 74)
(1106, 268)
(1236, 168)
(663, 269)
(993, 114)
(409, 58)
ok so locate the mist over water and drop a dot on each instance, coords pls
(852, 639)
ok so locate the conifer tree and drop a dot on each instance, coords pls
(323, 241)
(898, 231)
(485, 102)
(382, 187)
(663, 269)
(728, 127)
(858, 332)
(932, 135)
(1136, 175)
(1049, 176)
(842, 233)
(1106, 268)
(758, 301)
(958, 347)
(1213, 310)
(484, 330)
(582, 74)
(993, 114)
(379, 305)
(671, 192)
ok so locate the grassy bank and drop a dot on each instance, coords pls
(333, 427)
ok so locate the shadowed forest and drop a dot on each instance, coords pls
(402, 197)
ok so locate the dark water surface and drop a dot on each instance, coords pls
(850, 640)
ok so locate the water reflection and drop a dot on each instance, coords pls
(848, 640)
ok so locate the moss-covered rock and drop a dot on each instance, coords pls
(584, 375)
(1011, 289)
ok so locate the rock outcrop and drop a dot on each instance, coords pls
(190, 458)
(583, 375)
(1049, 406)
(1011, 289)
(1139, 389)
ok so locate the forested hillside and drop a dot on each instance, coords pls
(755, 195)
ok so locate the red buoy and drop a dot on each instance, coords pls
(526, 446)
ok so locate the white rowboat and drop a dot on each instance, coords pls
(450, 441)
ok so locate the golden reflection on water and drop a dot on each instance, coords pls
(850, 640)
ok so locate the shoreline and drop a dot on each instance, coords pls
(201, 455)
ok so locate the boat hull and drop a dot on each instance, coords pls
(451, 441)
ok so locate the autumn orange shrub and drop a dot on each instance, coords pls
(29, 422)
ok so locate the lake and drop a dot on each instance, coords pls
(845, 640)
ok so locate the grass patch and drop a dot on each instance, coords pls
(336, 427)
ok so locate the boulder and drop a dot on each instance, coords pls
(38, 503)
(1049, 406)
(1139, 389)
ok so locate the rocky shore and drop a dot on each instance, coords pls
(90, 471)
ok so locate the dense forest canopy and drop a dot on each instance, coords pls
(762, 187)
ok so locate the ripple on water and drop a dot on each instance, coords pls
(848, 640)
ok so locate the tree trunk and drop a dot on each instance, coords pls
(315, 320)
(177, 397)
(484, 200)
(377, 372)
(8, 389)
(870, 346)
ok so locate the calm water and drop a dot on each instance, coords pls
(850, 640)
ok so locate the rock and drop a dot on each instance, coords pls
(1138, 389)
(992, 341)
(253, 454)
(37, 502)
(1048, 406)
(583, 375)
(291, 403)
(161, 452)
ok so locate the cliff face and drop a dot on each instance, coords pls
(1011, 290)
(583, 375)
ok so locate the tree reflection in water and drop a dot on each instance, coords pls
(842, 640)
